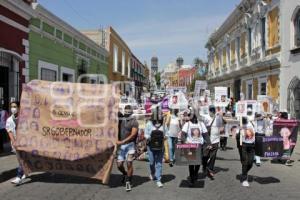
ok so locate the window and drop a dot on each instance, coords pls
(262, 86)
(249, 90)
(128, 70)
(115, 64)
(249, 41)
(47, 71)
(67, 74)
(238, 47)
(263, 33)
(232, 49)
(224, 57)
(123, 62)
(297, 29)
(243, 45)
(48, 74)
(273, 27)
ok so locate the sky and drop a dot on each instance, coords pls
(163, 28)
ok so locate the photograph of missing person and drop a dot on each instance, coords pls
(36, 113)
(249, 135)
(174, 99)
(34, 126)
(223, 98)
(285, 134)
(195, 134)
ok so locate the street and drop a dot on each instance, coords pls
(270, 181)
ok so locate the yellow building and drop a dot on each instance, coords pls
(244, 53)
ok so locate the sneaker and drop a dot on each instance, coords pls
(171, 163)
(151, 177)
(128, 186)
(245, 184)
(17, 181)
(159, 184)
(23, 177)
(288, 163)
(257, 164)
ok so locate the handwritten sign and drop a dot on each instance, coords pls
(68, 128)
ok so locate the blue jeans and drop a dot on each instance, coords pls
(20, 171)
(155, 162)
(172, 146)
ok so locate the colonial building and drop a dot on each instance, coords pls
(59, 52)
(14, 48)
(186, 75)
(245, 53)
(290, 57)
(119, 59)
(138, 76)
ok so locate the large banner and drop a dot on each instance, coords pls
(68, 128)
(281, 143)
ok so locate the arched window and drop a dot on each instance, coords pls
(297, 29)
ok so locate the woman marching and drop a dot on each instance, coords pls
(196, 133)
(155, 135)
(246, 146)
(174, 128)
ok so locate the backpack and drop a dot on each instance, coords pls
(157, 139)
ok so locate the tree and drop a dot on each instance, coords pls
(198, 62)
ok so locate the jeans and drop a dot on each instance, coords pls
(155, 162)
(20, 171)
(247, 156)
(172, 146)
(209, 160)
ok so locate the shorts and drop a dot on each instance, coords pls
(126, 152)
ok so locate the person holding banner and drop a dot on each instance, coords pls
(127, 136)
(246, 140)
(155, 135)
(174, 128)
(195, 132)
(11, 128)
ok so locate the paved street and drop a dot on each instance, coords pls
(270, 181)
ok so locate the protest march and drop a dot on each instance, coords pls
(83, 130)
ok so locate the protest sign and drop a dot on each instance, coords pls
(71, 128)
(220, 94)
(265, 104)
(188, 154)
(281, 143)
(200, 87)
(243, 106)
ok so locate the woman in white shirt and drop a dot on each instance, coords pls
(196, 133)
(11, 125)
(173, 134)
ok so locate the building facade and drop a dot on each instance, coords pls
(186, 75)
(119, 59)
(290, 55)
(14, 48)
(138, 76)
(59, 52)
(245, 53)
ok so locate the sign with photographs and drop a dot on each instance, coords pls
(188, 154)
(200, 87)
(281, 143)
(68, 128)
(220, 94)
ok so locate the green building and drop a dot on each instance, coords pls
(59, 52)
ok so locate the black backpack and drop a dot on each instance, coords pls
(156, 139)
